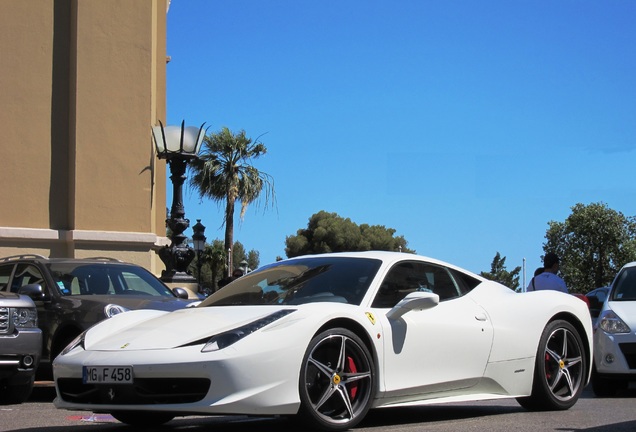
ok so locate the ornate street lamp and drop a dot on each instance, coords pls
(244, 267)
(198, 241)
(177, 145)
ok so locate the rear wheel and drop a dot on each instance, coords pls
(560, 369)
(337, 381)
(142, 418)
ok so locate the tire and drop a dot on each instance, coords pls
(337, 381)
(142, 418)
(604, 387)
(560, 369)
(15, 394)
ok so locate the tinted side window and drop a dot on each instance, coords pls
(27, 274)
(5, 274)
(625, 285)
(465, 282)
(408, 277)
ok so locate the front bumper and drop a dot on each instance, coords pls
(615, 353)
(222, 382)
(20, 353)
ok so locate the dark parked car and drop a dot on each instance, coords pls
(596, 298)
(20, 346)
(76, 293)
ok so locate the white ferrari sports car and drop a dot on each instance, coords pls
(328, 337)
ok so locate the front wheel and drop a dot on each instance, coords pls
(337, 381)
(560, 369)
(604, 387)
(15, 394)
(142, 418)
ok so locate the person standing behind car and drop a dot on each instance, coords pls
(548, 280)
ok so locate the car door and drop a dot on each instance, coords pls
(26, 274)
(442, 348)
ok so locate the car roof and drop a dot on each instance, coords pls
(389, 258)
(43, 259)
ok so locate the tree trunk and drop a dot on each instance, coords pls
(229, 233)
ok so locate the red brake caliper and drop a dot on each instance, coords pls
(351, 367)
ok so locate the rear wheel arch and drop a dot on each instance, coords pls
(578, 325)
(561, 367)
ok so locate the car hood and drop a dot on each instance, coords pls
(626, 310)
(153, 329)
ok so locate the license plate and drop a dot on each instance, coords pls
(107, 375)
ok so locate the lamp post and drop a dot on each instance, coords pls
(244, 267)
(198, 240)
(177, 145)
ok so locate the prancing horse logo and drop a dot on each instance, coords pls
(111, 394)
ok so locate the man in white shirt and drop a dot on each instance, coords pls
(548, 280)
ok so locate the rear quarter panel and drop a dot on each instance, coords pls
(519, 318)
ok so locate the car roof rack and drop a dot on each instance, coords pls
(18, 257)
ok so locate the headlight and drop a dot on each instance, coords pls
(78, 341)
(225, 339)
(611, 323)
(113, 309)
(24, 317)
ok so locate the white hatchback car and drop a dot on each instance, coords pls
(615, 336)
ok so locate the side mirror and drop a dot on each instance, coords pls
(418, 300)
(180, 293)
(34, 291)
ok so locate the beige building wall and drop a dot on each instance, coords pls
(81, 84)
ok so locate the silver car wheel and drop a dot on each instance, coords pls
(563, 364)
(337, 380)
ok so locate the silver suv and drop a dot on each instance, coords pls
(20, 346)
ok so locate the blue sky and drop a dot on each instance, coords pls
(466, 126)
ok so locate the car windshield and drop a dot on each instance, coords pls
(304, 280)
(624, 288)
(106, 279)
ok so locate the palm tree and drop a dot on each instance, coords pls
(224, 173)
(214, 256)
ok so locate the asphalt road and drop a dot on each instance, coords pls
(590, 414)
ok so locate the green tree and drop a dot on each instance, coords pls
(224, 173)
(239, 254)
(593, 243)
(499, 273)
(328, 232)
(213, 259)
(253, 259)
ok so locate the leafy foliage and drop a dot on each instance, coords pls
(499, 273)
(214, 262)
(224, 173)
(328, 232)
(593, 243)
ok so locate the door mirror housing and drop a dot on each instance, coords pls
(418, 300)
(34, 291)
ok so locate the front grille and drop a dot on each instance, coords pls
(629, 351)
(4, 320)
(144, 391)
